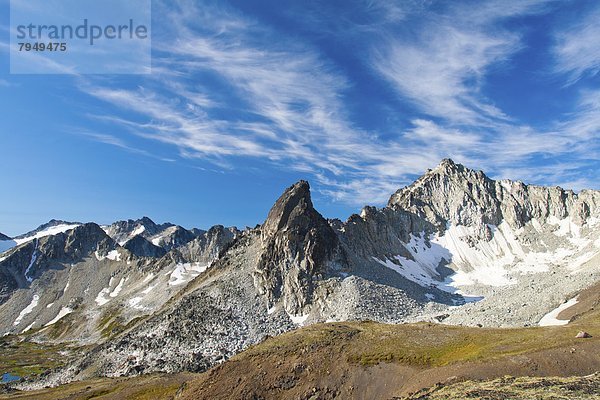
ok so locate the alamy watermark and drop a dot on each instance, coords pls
(80, 36)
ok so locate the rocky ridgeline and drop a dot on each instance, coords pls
(461, 196)
(28, 262)
(142, 247)
(109, 284)
(207, 246)
(292, 270)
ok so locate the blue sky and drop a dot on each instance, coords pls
(358, 97)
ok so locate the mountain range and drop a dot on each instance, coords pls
(455, 247)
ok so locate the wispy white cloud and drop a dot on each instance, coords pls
(577, 48)
(443, 73)
(117, 142)
(443, 67)
(282, 101)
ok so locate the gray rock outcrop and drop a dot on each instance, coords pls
(298, 245)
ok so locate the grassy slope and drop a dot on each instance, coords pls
(574, 388)
(148, 387)
(24, 358)
(371, 360)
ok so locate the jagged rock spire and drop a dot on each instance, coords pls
(293, 203)
(298, 244)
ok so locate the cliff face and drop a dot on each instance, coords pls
(297, 246)
(452, 193)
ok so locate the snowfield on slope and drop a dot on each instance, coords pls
(6, 245)
(27, 310)
(185, 272)
(500, 262)
(551, 319)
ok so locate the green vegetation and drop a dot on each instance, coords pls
(431, 345)
(24, 358)
(423, 344)
(576, 388)
(60, 327)
(152, 392)
(147, 387)
(112, 324)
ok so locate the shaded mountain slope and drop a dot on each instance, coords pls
(81, 285)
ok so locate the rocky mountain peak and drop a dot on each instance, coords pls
(293, 203)
(4, 237)
(78, 242)
(122, 231)
(298, 246)
(455, 172)
(47, 226)
(448, 163)
(141, 247)
(146, 221)
(451, 193)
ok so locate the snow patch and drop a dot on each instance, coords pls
(33, 258)
(135, 303)
(49, 305)
(411, 270)
(477, 261)
(427, 257)
(298, 320)
(565, 227)
(149, 289)
(118, 289)
(184, 273)
(28, 328)
(139, 230)
(54, 230)
(490, 276)
(114, 255)
(485, 263)
(101, 298)
(27, 310)
(61, 314)
(551, 319)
